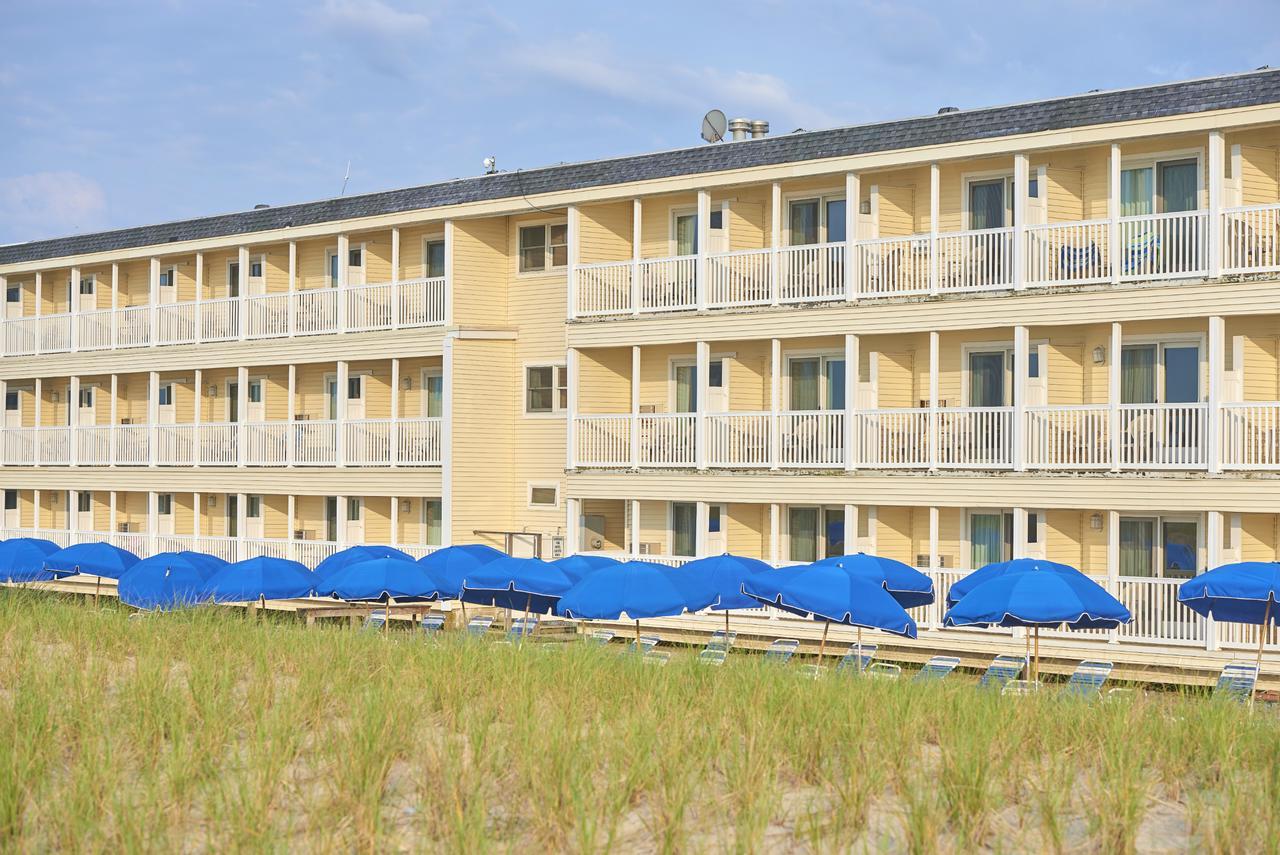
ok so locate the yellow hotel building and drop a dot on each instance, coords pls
(1048, 329)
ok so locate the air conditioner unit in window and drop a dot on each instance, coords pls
(124, 528)
(303, 534)
(922, 561)
(650, 548)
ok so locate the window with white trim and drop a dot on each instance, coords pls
(433, 258)
(165, 396)
(164, 504)
(544, 247)
(546, 389)
(544, 495)
(168, 277)
(84, 501)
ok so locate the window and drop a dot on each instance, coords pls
(165, 398)
(820, 220)
(164, 504)
(1155, 547)
(355, 258)
(10, 500)
(13, 294)
(255, 391)
(544, 495)
(713, 518)
(86, 397)
(431, 514)
(543, 246)
(1159, 187)
(355, 388)
(84, 501)
(255, 269)
(433, 255)
(433, 384)
(331, 518)
(86, 285)
(354, 509)
(253, 507)
(815, 533)
(817, 383)
(684, 528)
(1163, 373)
(233, 278)
(168, 277)
(11, 400)
(1033, 188)
(546, 389)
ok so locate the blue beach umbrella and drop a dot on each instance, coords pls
(22, 559)
(382, 579)
(354, 555)
(1049, 596)
(1245, 592)
(718, 580)
(96, 559)
(451, 565)
(906, 584)
(519, 584)
(577, 567)
(262, 577)
(165, 580)
(641, 589)
(832, 594)
(1002, 568)
(204, 562)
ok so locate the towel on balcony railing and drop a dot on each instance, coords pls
(1079, 261)
(1140, 251)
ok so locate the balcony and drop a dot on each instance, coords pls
(1128, 437)
(385, 306)
(366, 442)
(1149, 248)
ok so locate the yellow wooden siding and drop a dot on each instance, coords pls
(747, 530)
(897, 211)
(1064, 194)
(484, 451)
(604, 381)
(605, 232)
(1258, 537)
(614, 514)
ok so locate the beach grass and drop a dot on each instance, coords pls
(211, 729)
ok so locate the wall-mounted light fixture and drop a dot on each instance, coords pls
(1095, 521)
(404, 506)
(213, 391)
(406, 383)
(213, 500)
(865, 207)
(1099, 355)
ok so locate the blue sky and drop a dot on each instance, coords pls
(119, 113)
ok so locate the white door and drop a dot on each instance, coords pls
(165, 410)
(355, 266)
(168, 285)
(355, 396)
(13, 301)
(86, 415)
(11, 512)
(164, 514)
(87, 294)
(12, 408)
(717, 387)
(253, 517)
(84, 510)
(257, 400)
(257, 285)
(1036, 535)
(354, 520)
(717, 521)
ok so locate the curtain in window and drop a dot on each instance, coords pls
(687, 234)
(433, 523)
(835, 384)
(986, 539)
(1137, 547)
(805, 384)
(684, 527)
(804, 223)
(686, 388)
(1135, 192)
(435, 396)
(986, 379)
(1138, 375)
(835, 221)
(803, 528)
(986, 204)
(1178, 186)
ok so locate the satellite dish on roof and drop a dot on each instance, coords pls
(714, 125)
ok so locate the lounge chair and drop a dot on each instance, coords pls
(1236, 682)
(721, 639)
(375, 622)
(521, 628)
(479, 625)
(1019, 688)
(884, 670)
(1142, 253)
(937, 668)
(431, 624)
(713, 656)
(643, 644)
(1088, 679)
(1079, 262)
(601, 636)
(782, 650)
(855, 662)
(656, 657)
(1001, 670)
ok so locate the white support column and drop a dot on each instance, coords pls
(852, 273)
(1019, 532)
(1113, 562)
(36, 406)
(637, 249)
(446, 439)
(1113, 393)
(395, 277)
(73, 306)
(153, 415)
(344, 256)
(703, 523)
(199, 331)
(153, 522)
(395, 520)
(197, 401)
(39, 296)
(153, 302)
(291, 416)
(704, 237)
(73, 515)
(340, 432)
(242, 517)
(700, 416)
(1020, 165)
(1213, 556)
(292, 306)
(112, 515)
(635, 406)
(4, 391)
(933, 399)
(935, 206)
(571, 416)
(775, 533)
(775, 402)
(851, 358)
(242, 408)
(1021, 349)
(1213, 418)
(292, 512)
(851, 546)
(242, 289)
(115, 421)
(35, 511)
(933, 537)
(1114, 251)
(633, 509)
(1217, 174)
(574, 228)
(573, 526)
(775, 244)
(115, 300)
(448, 281)
(197, 517)
(395, 412)
(873, 523)
(73, 419)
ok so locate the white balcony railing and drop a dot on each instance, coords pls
(1149, 247)
(385, 306)
(365, 442)
(1068, 437)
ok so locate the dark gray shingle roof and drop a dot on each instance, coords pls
(1171, 99)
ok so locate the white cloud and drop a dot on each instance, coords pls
(45, 204)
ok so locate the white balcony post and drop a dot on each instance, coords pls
(448, 287)
(700, 414)
(340, 431)
(291, 511)
(1213, 554)
(1020, 168)
(242, 291)
(635, 406)
(933, 399)
(153, 519)
(573, 525)
(197, 397)
(73, 307)
(1019, 532)
(291, 308)
(446, 438)
(851, 530)
(851, 359)
(39, 302)
(242, 408)
(775, 403)
(935, 207)
(395, 277)
(1021, 349)
(36, 407)
(153, 302)
(1114, 250)
(933, 541)
(198, 329)
(775, 532)
(153, 414)
(115, 301)
(344, 258)
(700, 533)
(775, 244)
(394, 431)
(115, 422)
(291, 416)
(395, 520)
(111, 512)
(1213, 423)
(571, 416)
(73, 419)
(633, 509)
(73, 515)
(1113, 561)
(1113, 394)
(852, 193)
(574, 226)
(4, 391)
(35, 510)
(196, 527)
(704, 237)
(1216, 177)
(242, 518)
(637, 249)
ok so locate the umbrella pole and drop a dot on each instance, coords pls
(637, 636)
(527, 602)
(726, 626)
(1262, 636)
(97, 584)
(822, 648)
(859, 650)
(1036, 673)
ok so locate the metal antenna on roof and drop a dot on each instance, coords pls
(345, 179)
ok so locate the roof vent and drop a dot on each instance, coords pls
(942, 110)
(759, 128)
(739, 128)
(260, 206)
